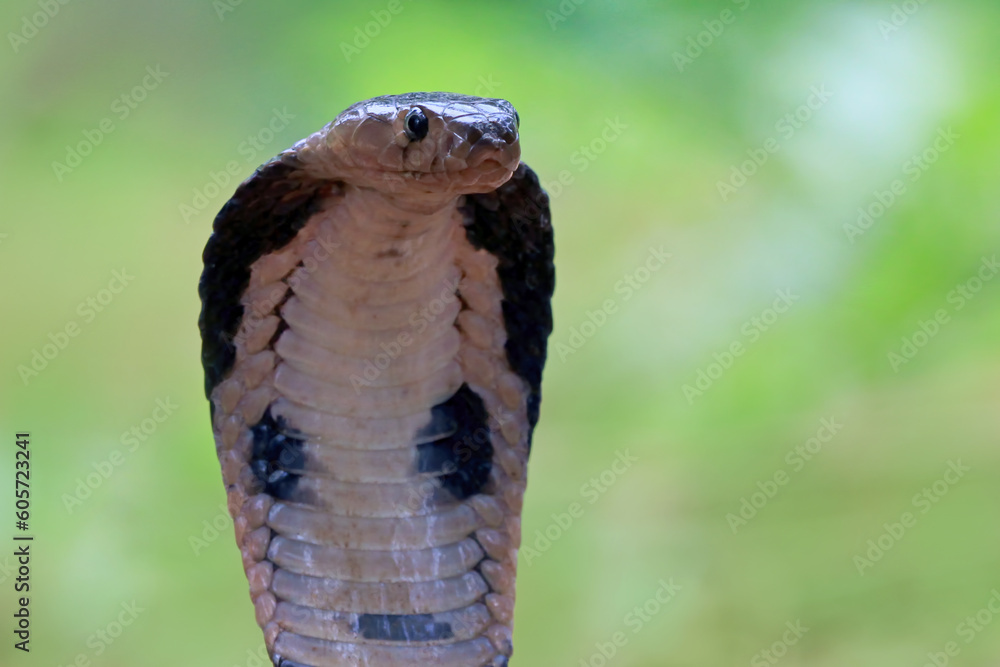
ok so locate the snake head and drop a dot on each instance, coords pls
(421, 144)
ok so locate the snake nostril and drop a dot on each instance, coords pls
(508, 136)
(475, 134)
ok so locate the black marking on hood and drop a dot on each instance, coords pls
(277, 457)
(264, 215)
(513, 224)
(465, 456)
(403, 627)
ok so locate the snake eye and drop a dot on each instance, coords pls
(517, 120)
(415, 124)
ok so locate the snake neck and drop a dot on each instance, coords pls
(396, 214)
(376, 443)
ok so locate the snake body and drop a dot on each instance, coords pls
(375, 310)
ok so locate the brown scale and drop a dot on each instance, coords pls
(364, 559)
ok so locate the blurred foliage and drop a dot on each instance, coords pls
(898, 75)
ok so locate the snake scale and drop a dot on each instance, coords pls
(375, 314)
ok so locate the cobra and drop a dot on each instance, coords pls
(375, 311)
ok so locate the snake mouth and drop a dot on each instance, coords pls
(487, 154)
(486, 162)
(489, 164)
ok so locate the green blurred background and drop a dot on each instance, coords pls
(642, 110)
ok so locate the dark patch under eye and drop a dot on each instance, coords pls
(415, 124)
